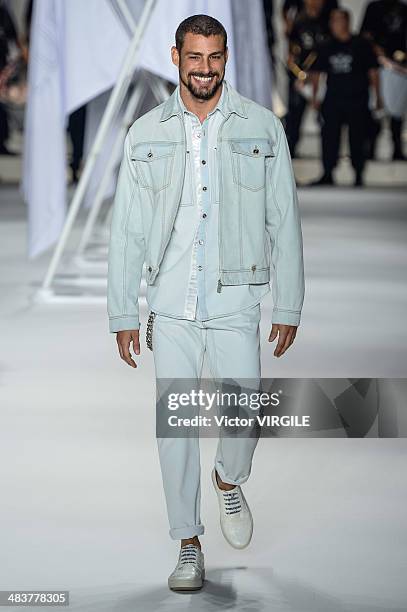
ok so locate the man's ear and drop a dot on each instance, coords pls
(226, 54)
(175, 56)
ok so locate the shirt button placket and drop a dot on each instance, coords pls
(202, 225)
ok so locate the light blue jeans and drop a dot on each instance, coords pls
(232, 347)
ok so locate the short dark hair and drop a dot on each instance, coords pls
(344, 12)
(199, 24)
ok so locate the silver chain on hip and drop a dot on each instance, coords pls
(149, 330)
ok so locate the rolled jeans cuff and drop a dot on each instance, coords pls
(182, 533)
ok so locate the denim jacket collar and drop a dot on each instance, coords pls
(233, 103)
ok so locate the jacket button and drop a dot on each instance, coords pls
(204, 162)
(255, 151)
(253, 267)
(149, 154)
(149, 268)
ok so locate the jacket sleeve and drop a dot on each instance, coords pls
(126, 249)
(283, 225)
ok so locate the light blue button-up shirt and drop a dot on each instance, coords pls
(186, 286)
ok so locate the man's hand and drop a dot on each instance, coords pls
(286, 335)
(124, 339)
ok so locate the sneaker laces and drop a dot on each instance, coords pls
(232, 501)
(188, 554)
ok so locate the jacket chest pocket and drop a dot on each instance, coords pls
(249, 162)
(154, 162)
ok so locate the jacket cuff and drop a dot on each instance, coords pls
(286, 317)
(123, 323)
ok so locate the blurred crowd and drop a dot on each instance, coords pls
(344, 75)
(14, 52)
(13, 62)
(358, 79)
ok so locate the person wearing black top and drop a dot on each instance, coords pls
(292, 8)
(310, 29)
(351, 68)
(8, 36)
(385, 25)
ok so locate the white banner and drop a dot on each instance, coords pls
(76, 52)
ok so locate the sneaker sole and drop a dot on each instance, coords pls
(186, 585)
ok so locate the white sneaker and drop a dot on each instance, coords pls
(236, 520)
(189, 573)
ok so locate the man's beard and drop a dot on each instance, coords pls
(203, 92)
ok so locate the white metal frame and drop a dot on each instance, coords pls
(46, 293)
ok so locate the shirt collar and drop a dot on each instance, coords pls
(221, 105)
(232, 103)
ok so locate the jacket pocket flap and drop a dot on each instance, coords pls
(252, 147)
(149, 151)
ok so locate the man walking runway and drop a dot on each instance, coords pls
(206, 199)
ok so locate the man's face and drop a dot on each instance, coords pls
(338, 23)
(201, 64)
(314, 6)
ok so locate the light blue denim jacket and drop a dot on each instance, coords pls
(259, 223)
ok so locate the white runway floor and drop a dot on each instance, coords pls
(82, 507)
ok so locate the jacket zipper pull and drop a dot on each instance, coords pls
(219, 289)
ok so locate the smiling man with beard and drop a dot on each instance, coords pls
(206, 198)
